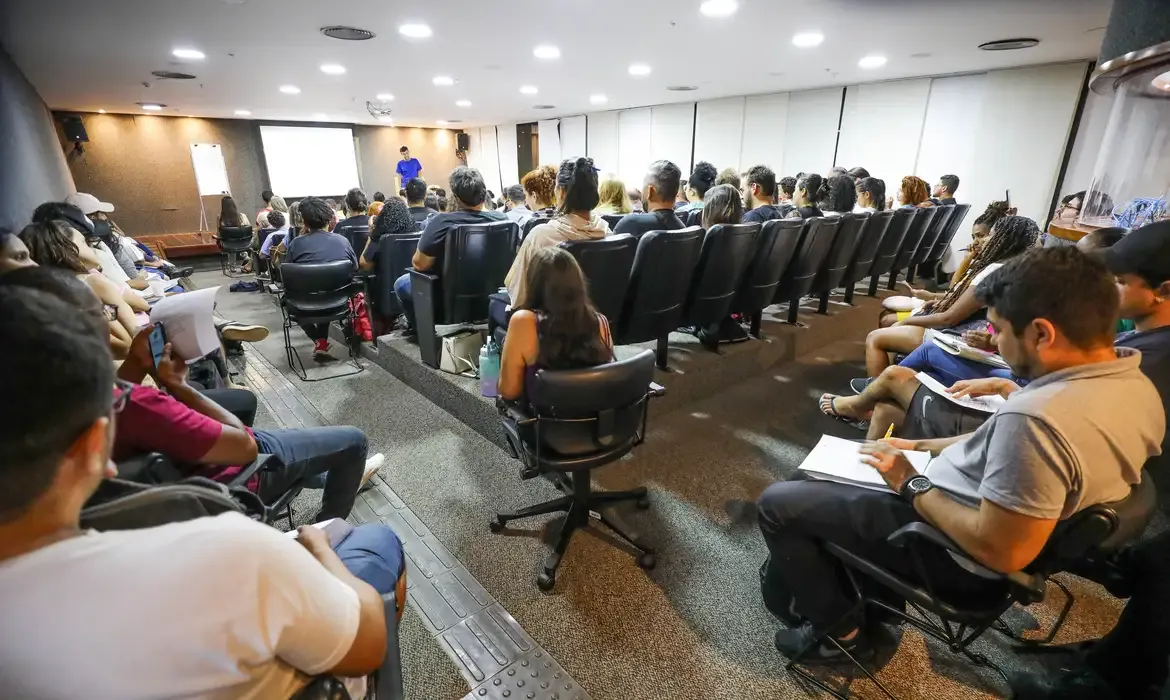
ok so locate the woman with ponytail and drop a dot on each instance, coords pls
(810, 189)
(576, 198)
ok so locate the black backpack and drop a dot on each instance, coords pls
(128, 505)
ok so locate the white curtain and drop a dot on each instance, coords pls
(549, 142)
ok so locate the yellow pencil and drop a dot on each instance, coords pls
(890, 432)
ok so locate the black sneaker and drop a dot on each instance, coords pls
(790, 642)
(858, 385)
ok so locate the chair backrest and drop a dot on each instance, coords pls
(891, 243)
(942, 217)
(727, 249)
(832, 270)
(317, 286)
(914, 234)
(663, 265)
(235, 238)
(694, 217)
(395, 252)
(582, 411)
(948, 234)
(530, 224)
(612, 219)
(868, 242)
(476, 258)
(607, 264)
(775, 248)
(816, 239)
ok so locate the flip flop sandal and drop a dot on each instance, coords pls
(830, 410)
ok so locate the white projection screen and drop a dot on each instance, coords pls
(309, 160)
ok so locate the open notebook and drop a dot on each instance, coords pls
(836, 459)
(957, 346)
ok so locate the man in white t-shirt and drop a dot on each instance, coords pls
(218, 607)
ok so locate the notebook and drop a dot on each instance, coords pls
(836, 459)
(957, 346)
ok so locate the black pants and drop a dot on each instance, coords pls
(798, 515)
(239, 402)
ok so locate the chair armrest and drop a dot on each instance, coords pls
(512, 411)
(1030, 586)
(258, 465)
(657, 389)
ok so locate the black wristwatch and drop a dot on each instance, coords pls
(915, 486)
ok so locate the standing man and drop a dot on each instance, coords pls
(408, 168)
(944, 191)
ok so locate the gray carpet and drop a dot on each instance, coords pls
(694, 627)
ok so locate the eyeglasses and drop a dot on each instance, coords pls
(122, 397)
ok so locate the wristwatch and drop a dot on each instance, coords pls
(915, 486)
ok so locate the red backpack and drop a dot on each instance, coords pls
(361, 317)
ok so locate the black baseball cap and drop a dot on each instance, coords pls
(1144, 251)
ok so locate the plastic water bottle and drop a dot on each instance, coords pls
(489, 368)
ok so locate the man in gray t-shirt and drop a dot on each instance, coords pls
(1076, 436)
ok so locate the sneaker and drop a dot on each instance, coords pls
(243, 332)
(791, 641)
(858, 385)
(321, 349)
(373, 464)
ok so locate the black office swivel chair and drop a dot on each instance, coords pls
(775, 248)
(476, 258)
(939, 251)
(316, 293)
(840, 254)
(938, 226)
(661, 276)
(232, 241)
(870, 239)
(723, 259)
(570, 423)
(607, 264)
(1094, 532)
(890, 246)
(914, 234)
(612, 219)
(816, 240)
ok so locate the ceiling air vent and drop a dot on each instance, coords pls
(347, 33)
(172, 75)
(682, 88)
(1009, 44)
(544, 106)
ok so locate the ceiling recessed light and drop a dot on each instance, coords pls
(598, 99)
(1162, 81)
(528, 90)
(442, 122)
(546, 52)
(872, 62)
(243, 113)
(386, 118)
(101, 111)
(1009, 44)
(151, 107)
(332, 69)
(290, 89)
(384, 97)
(639, 69)
(807, 40)
(443, 80)
(414, 30)
(719, 8)
(188, 54)
(462, 103)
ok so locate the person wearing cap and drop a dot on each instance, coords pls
(129, 253)
(109, 244)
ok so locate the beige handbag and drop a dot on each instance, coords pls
(460, 354)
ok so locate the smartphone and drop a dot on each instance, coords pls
(158, 341)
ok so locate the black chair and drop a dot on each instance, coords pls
(532, 223)
(942, 218)
(944, 240)
(870, 239)
(816, 238)
(318, 293)
(612, 219)
(573, 422)
(395, 251)
(832, 270)
(776, 245)
(659, 280)
(694, 217)
(723, 259)
(1094, 532)
(607, 264)
(233, 241)
(918, 226)
(476, 258)
(385, 683)
(891, 244)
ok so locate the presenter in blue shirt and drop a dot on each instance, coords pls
(408, 168)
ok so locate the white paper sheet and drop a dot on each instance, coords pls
(957, 346)
(835, 459)
(987, 404)
(188, 321)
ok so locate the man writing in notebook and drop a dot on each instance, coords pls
(1076, 436)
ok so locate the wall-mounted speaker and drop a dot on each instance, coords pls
(75, 129)
(463, 140)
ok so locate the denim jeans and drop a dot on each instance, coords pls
(338, 452)
(402, 291)
(373, 553)
(948, 368)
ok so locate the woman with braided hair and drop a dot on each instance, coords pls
(957, 308)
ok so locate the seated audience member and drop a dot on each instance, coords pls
(858, 173)
(980, 231)
(871, 195)
(577, 196)
(914, 193)
(421, 206)
(355, 227)
(13, 253)
(944, 191)
(276, 232)
(636, 204)
(469, 192)
(556, 328)
(105, 232)
(658, 192)
(277, 203)
(729, 176)
(680, 197)
(759, 193)
(810, 188)
(266, 196)
(838, 196)
(701, 181)
(372, 212)
(1076, 436)
(612, 197)
(395, 218)
(958, 309)
(785, 188)
(380, 197)
(57, 245)
(230, 214)
(318, 245)
(268, 611)
(836, 170)
(99, 256)
(540, 190)
(515, 203)
(722, 205)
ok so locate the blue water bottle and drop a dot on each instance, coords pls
(489, 368)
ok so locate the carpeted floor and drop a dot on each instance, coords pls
(694, 627)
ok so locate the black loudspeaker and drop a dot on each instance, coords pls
(463, 141)
(75, 130)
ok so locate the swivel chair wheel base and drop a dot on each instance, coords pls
(495, 526)
(647, 560)
(546, 581)
(643, 503)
